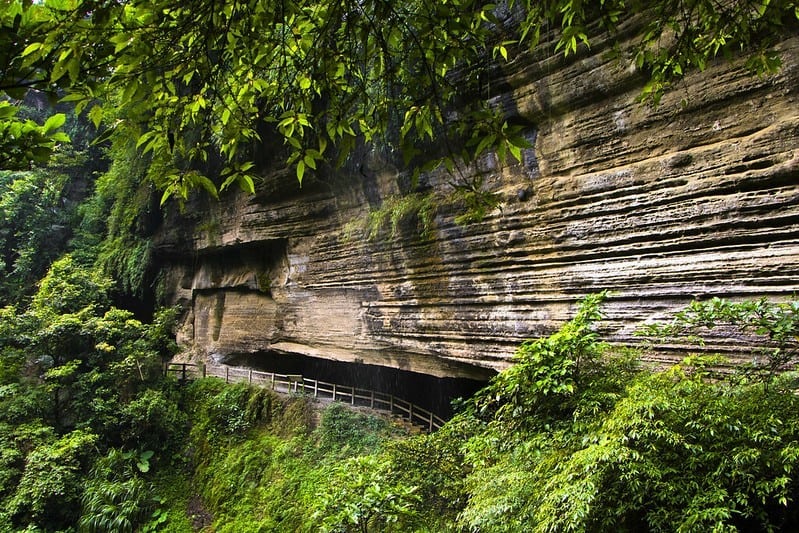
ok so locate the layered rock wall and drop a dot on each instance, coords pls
(698, 197)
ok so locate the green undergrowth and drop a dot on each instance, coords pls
(414, 214)
(262, 462)
(576, 435)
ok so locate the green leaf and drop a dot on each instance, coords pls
(73, 69)
(96, 115)
(59, 69)
(206, 184)
(73, 97)
(53, 123)
(144, 137)
(31, 48)
(164, 197)
(246, 183)
(7, 110)
(300, 171)
(502, 51)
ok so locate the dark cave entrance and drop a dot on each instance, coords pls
(430, 392)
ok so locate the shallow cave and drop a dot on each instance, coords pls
(142, 307)
(430, 392)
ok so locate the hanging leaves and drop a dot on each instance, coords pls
(204, 78)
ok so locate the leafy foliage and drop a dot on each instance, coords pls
(397, 212)
(343, 432)
(774, 325)
(36, 215)
(272, 471)
(224, 413)
(79, 377)
(435, 466)
(676, 450)
(49, 486)
(363, 499)
(310, 77)
(68, 289)
(555, 378)
(116, 498)
(24, 142)
(114, 224)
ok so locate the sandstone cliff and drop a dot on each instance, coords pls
(696, 198)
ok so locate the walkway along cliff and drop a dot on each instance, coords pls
(696, 198)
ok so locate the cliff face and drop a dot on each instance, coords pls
(696, 198)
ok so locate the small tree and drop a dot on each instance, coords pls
(556, 376)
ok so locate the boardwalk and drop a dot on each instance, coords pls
(322, 390)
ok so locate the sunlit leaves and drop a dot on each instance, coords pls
(24, 142)
(53, 123)
(239, 173)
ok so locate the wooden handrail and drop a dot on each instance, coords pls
(185, 370)
(298, 384)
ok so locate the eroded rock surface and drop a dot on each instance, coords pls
(697, 198)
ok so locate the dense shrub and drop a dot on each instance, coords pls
(574, 437)
(679, 450)
(78, 377)
(116, 498)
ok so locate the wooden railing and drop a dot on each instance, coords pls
(297, 384)
(184, 371)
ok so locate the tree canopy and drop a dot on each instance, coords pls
(200, 82)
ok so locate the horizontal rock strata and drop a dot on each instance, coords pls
(696, 198)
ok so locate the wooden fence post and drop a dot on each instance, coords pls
(334, 392)
(372, 400)
(352, 400)
(249, 377)
(202, 366)
(227, 374)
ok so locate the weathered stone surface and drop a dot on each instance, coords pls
(697, 198)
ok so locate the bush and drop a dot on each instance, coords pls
(436, 466)
(344, 432)
(153, 421)
(568, 374)
(220, 410)
(51, 484)
(68, 288)
(360, 496)
(116, 497)
(680, 450)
